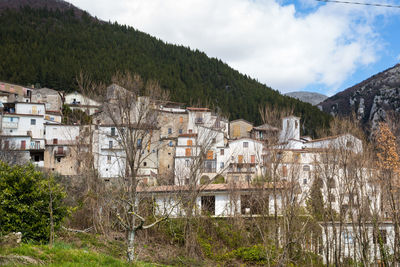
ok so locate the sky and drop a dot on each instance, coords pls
(302, 45)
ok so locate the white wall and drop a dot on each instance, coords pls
(30, 108)
(63, 133)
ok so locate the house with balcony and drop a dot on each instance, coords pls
(78, 101)
(64, 149)
(15, 93)
(22, 129)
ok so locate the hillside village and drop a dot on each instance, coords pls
(232, 164)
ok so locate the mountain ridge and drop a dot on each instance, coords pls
(50, 47)
(309, 97)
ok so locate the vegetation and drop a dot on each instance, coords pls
(25, 195)
(51, 47)
(61, 254)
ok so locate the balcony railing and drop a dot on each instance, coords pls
(199, 121)
(59, 153)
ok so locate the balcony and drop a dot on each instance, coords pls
(10, 125)
(59, 153)
(242, 168)
(35, 146)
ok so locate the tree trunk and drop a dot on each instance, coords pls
(131, 245)
(51, 239)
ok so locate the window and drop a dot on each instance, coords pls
(139, 143)
(331, 183)
(304, 181)
(222, 152)
(222, 165)
(60, 150)
(180, 119)
(210, 155)
(180, 131)
(214, 140)
(349, 144)
(110, 144)
(169, 130)
(23, 144)
(306, 168)
(245, 144)
(171, 143)
(253, 158)
(381, 237)
(236, 131)
(6, 144)
(348, 237)
(284, 171)
(249, 205)
(240, 159)
(145, 164)
(187, 163)
(109, 159)
(55, 141)
(188, 152)
(11, 119)
(331, 198)
(33, 121)
(189, 143)
(208, 205)
(112, 131)
(190, 130)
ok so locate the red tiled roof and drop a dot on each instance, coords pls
(209, 187)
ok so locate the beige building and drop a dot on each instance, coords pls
(64, 149)
(239, 129)
(50, 97)
(15, 93)
(173, 121)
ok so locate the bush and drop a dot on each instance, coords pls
(219, 179)
(254, 254)
(24, 198)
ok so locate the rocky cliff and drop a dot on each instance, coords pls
(370, 100)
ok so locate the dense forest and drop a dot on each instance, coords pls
(50, 47)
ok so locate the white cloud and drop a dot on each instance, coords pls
(269, 41)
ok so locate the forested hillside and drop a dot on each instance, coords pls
(50, 47)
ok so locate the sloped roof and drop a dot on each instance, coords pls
(265, 127)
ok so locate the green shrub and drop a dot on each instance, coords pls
(25, 198)
(254, 254)
(219, 179)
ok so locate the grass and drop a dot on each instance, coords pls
(61, 254)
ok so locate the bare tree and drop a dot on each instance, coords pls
(128, 121)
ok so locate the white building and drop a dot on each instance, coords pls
(216, 200)
(351, 239)
(76, 100)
